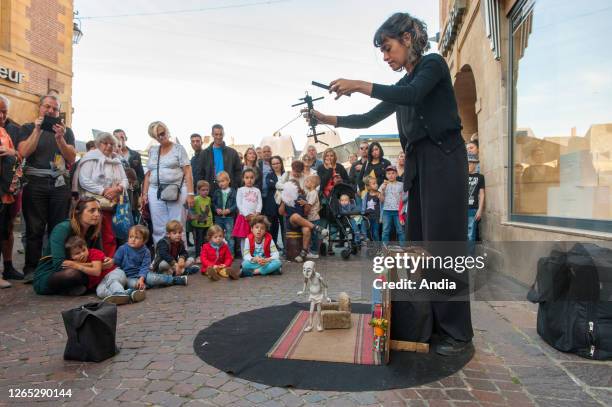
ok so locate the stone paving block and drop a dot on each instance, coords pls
(459, 395)
(594, 374)
(363, 398)
(291, 400)
(257, 397)
(205, 393)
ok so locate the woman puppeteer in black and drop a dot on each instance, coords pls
(436, 160)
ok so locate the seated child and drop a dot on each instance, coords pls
(371, 207)
(133, 260)
(294, 206)
(216, 257)
(85, 260)
(259, 253)
(349, 208)
(171, 256)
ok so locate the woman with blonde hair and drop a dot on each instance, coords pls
(168, 183)
(329, 170)
(250, 162)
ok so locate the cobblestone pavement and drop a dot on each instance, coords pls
(157, 365)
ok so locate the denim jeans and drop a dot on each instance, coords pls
(112, 283)
(227, 223)
(391, 220)
(374, 231)
(472, 225)
(153, 280)
(356, 229)
(314, 238)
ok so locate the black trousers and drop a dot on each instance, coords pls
(437, 212)
(44, 206)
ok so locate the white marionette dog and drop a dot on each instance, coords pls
(317, 290)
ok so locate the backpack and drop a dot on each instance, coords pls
(8, 167)
(574, 295)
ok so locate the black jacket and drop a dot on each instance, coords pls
(424, 103)
(353, 173)
(270, 207)
(326, 173)
(195, 169)
(231, 165)
(162, 252)
(217, 202)
(379, 169)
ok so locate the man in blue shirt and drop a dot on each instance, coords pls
(219, 157)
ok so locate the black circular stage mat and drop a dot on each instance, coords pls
(238, 345)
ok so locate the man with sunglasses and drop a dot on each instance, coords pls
(359, 163)
(48, 154)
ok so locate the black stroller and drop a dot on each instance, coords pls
(339, 226)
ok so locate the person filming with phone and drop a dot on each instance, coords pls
(47, 146)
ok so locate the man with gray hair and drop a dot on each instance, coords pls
(49, 152)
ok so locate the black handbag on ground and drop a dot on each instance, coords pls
(91, 330)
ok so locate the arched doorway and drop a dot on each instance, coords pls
(465, 92)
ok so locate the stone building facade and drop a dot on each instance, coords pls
(528, 78)
(35, 54)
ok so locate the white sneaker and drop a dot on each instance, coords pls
(117, 299)
(311, 255)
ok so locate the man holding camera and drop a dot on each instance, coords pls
(47, 145)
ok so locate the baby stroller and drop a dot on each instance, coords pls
(340, 231)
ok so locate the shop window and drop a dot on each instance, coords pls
(561, 113)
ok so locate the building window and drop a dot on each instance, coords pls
(561, 113)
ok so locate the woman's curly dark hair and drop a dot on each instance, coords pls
(399, 24)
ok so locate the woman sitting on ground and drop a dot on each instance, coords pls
(51, 277)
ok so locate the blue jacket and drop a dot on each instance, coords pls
(217, 202)
(134, 262)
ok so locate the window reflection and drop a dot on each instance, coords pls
(562, 110)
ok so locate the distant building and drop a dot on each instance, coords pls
(36, 55)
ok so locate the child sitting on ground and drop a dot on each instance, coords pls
(171, 256)
(224, 205)
(133, 260)
(349, 209)
(371, 207)
(248, 200)
(311, 185)
(89, 262)
(294, 207)
(216, 257)
(259, 253)
(201, 217)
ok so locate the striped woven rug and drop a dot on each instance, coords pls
(352, 345)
